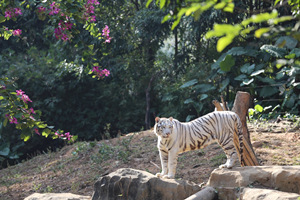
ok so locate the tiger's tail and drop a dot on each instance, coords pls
(239, 134)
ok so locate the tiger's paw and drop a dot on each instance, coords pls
(225, 166)
(168, 176)
(159, 175)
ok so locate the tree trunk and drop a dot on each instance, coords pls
(148, 99)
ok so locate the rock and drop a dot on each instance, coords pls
(56, 196)
(265, 194)
(282, 178)
(208, 193)
(135, 184)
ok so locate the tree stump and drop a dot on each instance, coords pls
(240, 107)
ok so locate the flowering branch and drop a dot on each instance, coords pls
(17, 111)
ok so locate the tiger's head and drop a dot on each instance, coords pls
(163, 127)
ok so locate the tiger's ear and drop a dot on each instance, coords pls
(157, 119)
(171, 118)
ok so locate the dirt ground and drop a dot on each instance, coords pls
(75, 168)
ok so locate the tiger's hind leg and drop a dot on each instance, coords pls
(231, 159)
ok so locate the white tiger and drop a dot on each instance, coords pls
(175, 137)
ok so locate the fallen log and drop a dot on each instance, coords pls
(208, 193)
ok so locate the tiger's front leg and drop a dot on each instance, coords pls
(163, 155)
(172, 163)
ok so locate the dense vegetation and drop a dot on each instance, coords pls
(175, 68)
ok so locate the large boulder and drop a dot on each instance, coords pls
(282, 178)
(257, 182)
(135, 184)
(57, 196)
(266, 194)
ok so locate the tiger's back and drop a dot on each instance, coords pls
(214, 127)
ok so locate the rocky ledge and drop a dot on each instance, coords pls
(244, 183)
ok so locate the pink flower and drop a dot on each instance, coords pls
(17, 32)
(64, 37)
(108, 40)
(31, 111)
(68, 25)
(95, 2)
(41, 9)
(7, 13)
(18, 11)
(37, 131)
(67, 135)
(54, 8)
(25, 98)
(93, 18)
(106, 72)
(2, 87)
(13, 120)
(105, 31)
(20, 92)
(12, 12)
(100, 73)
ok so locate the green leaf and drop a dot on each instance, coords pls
(274, 51)
(258, 108)
(41, 125)
(257, 72)
(281, 19)
(202, 88)
(229, 8)
(262, 17)
(240, 77)
(224, 84)
(224, 42)
(266, 80)
(192, 9)
(237, 51)
(162, 3)
(176, 23)
(24, 137)
(166, 18)
(286, 41)
(276, 2)
(4, 149)
(189, 83)
(296, 51)
(148, 3)
(261, 31)
(2, 19)
(220, 5)
(1, 97)
(5, 122)
(203, 96)
(251, 111)
(247, 82)
(227, 63)
(268, 91)
(188, 101)
(46, 132)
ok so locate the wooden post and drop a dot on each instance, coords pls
(240, 107)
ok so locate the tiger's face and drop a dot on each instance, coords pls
(163, 127)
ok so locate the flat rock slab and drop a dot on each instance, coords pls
(134, 184)
(282, 178)
(57, 196)
(265, 194)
